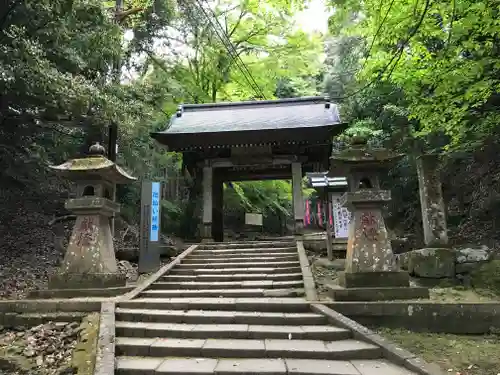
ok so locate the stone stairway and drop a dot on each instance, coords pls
(234, 309)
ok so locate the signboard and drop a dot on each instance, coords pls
(155, 212)
(341, 218)
(253, 219)
(149, 255)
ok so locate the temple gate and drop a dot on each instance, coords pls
(254, 140)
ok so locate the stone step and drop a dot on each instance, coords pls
(238, 265)
(261, 366)
(235, 277)
(240, 348)
(276, 304)
(230, 331)
(227, 270)
(237, 259)
(276, 250)
(246, 245)
(250, 292)
(218, 317)
(261, 284)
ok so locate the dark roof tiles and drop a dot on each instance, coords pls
(304, 112)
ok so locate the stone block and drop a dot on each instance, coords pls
(335, 264)
(72, 293)
(86, 281)
(233, 348)
(432, 263)
(470, 258)
(295, 348)
(245, 366)
(131, 365)
(380, 367)
(179, 366)
(320, 367)
(374, 279)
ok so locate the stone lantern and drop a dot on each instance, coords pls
(370, 262)
(90, 260)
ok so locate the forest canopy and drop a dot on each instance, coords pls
(417, 75)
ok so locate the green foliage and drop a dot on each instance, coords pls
(442, 54)
(263, 37)
(265, 197)
(60, 64)
(363, 128)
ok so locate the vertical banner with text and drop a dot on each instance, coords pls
(149, 254)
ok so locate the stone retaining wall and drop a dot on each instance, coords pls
(31, 313)
(464, 318)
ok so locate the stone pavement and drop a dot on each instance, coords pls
(237, 309)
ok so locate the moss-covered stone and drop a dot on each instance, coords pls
(487, 277)
(432, 263)
(84, 355)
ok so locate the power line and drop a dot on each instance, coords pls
(376, 34)
(231, 51)
(232, 47)
(395, 58)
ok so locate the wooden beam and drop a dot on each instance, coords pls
(255, 161)
(269, 174)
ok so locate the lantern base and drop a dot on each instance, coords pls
(374, 279)
(86, 281)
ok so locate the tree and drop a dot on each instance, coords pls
(263, 38)
(443, 55)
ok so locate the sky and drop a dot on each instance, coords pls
(315, 17)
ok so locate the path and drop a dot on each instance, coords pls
(223, 311)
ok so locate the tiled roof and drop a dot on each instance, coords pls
(306, 112)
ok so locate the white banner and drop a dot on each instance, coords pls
(341, 218)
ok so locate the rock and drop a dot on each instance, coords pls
(336, 264)
(126, 268)
(471, 254)
(68, 371)
(168, 251)
(317, 246)
(130, 254)
(29, 352)
(433, 263)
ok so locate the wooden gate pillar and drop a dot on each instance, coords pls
(298, 201)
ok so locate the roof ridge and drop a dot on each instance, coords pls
(256, 103)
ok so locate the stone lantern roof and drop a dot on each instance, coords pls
(93, 166)
(361, 155)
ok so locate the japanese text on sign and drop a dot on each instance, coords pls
(341, 218)
(155, 211)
